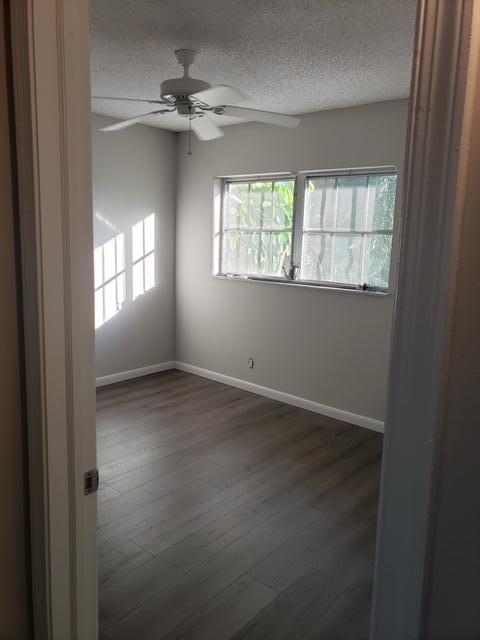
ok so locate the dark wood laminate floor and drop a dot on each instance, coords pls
(223, 514)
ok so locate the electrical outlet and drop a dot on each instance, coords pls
(251, 363)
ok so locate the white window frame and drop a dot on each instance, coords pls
(300, 178)
(219, 227)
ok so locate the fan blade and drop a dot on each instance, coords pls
(128, 123)
(129, 99)
(255, 115)
(222, 94)
(205, 129)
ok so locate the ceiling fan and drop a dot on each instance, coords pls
(197, 100)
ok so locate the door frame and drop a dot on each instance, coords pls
(50, 68)
(447, 48)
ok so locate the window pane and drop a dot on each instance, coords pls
(251, 207)
(149, 271)
(110, 293)
(381, 202)
(98, 308)
(377, 259)
(149, 234)
(120, 242)
(316, 257)
(229, 252)
(137, 279)
(319, 203)
(256, 254)
(351, 194)
(349, 204)
(347, 259)
(137, 241)
(98, 266)
(240, 252)
(275, 247)
(282, 214)
(260, 204)
(109, 268)
(236, 205)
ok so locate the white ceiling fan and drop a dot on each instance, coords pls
(197, 100)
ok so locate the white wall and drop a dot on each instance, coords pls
(133, 176)
(327, 346)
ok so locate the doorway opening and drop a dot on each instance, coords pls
(240, 407)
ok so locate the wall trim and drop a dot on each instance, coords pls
(281, 396)
(134, 373)
(273, 394)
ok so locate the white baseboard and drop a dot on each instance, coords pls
(280, 396)
(287, 398)
(134, 373)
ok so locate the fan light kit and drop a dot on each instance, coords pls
(197, 100)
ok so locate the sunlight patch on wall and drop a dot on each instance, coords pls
(143, 256)
(110, 281)
(119, 279)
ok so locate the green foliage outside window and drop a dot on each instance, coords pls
(258, 226)
(347, 228)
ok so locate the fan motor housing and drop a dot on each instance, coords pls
(179, 89)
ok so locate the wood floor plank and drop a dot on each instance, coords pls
(148, 515)
(120, 560)
(183, 444)
(306, 550)
(347, 619)
(172, 606)
(128, 501)
(295, 611)
(349, 558)
(106, 493)
(160, 536)
(269, 483)
(223, 515)
(125, 594)
(226, 614)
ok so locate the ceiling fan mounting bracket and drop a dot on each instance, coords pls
(185, 57)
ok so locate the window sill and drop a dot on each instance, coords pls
(305, 285)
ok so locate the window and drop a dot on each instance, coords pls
(143, 256)
(331, 229)
(109, 276)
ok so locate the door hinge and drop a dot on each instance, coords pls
(90, 481)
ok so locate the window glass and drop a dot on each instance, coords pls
(343, 232)
(347, 230)
(319, 203)
(257, 227)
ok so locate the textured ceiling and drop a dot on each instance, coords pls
(293, 56)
